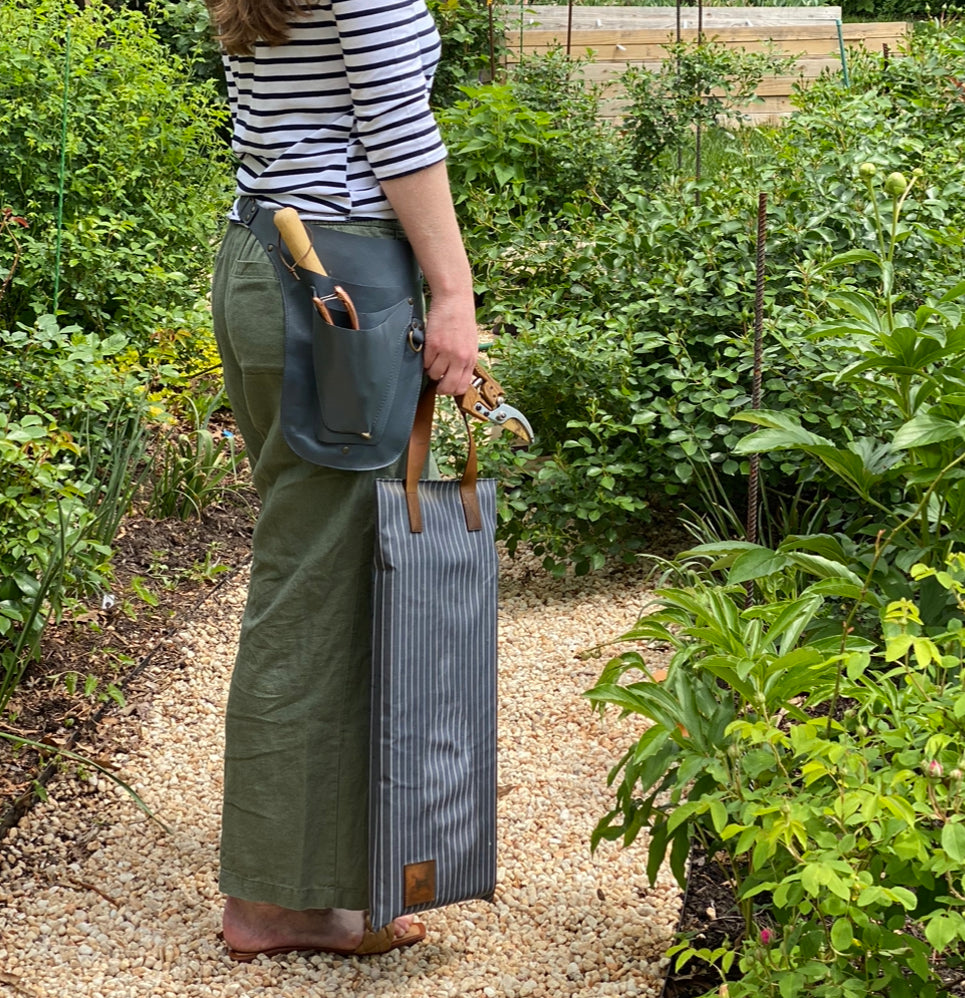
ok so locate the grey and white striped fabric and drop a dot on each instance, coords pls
(319, 121)
(433, 769)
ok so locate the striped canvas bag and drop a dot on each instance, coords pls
(432, 802)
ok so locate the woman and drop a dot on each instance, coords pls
(330, 116)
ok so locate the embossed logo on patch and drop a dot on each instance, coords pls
(420, 883)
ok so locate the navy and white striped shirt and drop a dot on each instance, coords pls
(342, 105)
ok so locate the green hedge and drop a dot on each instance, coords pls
(144, 175)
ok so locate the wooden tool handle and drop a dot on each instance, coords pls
(296, 237)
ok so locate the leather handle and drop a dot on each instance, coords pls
(418, 455)
(298, 240)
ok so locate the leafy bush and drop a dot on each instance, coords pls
(631, 351)
(592, 160)
(697, 84)
(498, 144)
(843, 834)
(472, 44)
(71, 441)
(185, 27)
(903, 470)
(145, 176)
(624, 312)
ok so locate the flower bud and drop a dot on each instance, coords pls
(867, 170)
(767, 937)
(933, 768)
(895, 184)
(955, 774)
(918, 172)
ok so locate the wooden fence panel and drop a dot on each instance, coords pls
(618, 37)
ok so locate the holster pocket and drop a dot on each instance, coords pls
(357, 371)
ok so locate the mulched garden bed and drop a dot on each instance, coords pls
(164, 571)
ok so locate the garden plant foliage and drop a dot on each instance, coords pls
(145, 174)
(810, 728)
(624, 293)
(114, 180)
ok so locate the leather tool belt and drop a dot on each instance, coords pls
(351, 384)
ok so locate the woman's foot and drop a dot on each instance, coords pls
(251, 927)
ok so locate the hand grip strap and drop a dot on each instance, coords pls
(416, 461)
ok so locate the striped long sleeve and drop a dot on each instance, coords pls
(319, 121)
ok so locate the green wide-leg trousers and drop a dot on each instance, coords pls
(294, 829)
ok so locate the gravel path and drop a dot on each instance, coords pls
(101, 903)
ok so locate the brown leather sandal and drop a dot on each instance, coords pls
(373, 943)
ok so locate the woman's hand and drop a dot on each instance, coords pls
(452, 343)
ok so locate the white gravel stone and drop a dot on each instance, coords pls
(101, 902)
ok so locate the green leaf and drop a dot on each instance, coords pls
(851, 256)
(904, 897)
(718, 815)
(791, 984)
(900, 808)
(954, 293)
(942, 929)
(684, 812)
(858, 305)
(953, 840)
(842, 935)
(825, 568)
(924, 428)
(756, 564)
(787, 436)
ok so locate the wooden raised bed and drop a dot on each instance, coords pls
(618, 37)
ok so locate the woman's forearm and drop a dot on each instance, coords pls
(423, 203)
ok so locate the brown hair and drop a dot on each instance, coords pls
(240, 23)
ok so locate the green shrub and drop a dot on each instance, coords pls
(472, 44)
(842, 834)
(185, 27)
(592, 161)
(71, 445)
(625, 316)
(86, 416)
(628, 342)
(145, 176)
(696, 85)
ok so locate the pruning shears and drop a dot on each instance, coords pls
(486, 400)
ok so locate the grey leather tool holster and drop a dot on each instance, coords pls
(349, 395)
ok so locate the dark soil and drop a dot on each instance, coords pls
(708, 918)
(164, 571)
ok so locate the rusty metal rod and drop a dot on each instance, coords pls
(753, 482)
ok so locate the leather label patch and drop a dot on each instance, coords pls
(420, 883)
